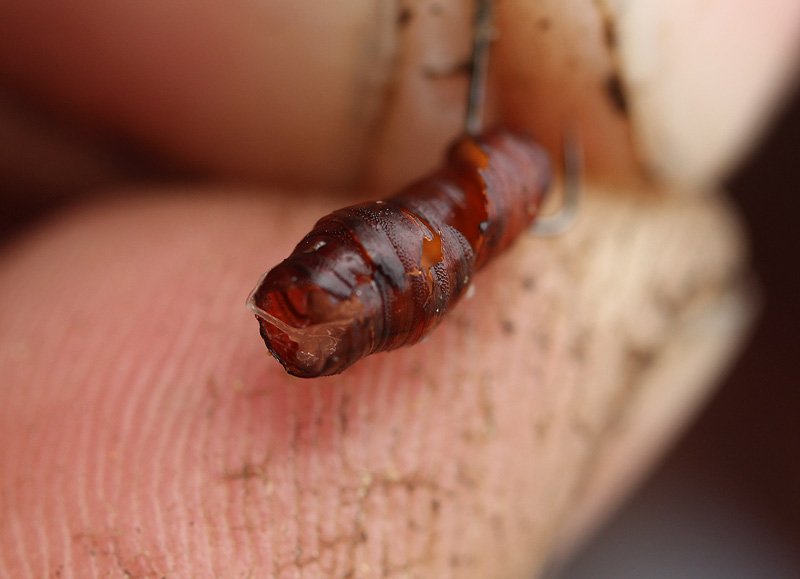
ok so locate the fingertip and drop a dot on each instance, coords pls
(146, 428)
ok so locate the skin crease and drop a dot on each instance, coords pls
(145, 431)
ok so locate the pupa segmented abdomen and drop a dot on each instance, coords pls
(380, 275)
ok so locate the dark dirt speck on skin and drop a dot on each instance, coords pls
(616, 94)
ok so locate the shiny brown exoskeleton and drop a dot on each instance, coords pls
(377, 276)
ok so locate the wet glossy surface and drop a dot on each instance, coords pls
(380, 275)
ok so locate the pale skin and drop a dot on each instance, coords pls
(146, 432)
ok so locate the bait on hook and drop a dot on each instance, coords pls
(380, 275)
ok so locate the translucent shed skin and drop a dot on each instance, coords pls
(381, 275)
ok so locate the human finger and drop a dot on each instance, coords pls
(146, 430)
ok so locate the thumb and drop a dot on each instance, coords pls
(146, 431)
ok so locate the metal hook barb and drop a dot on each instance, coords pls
(567, 214)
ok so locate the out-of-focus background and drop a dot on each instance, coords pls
(726, 501)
